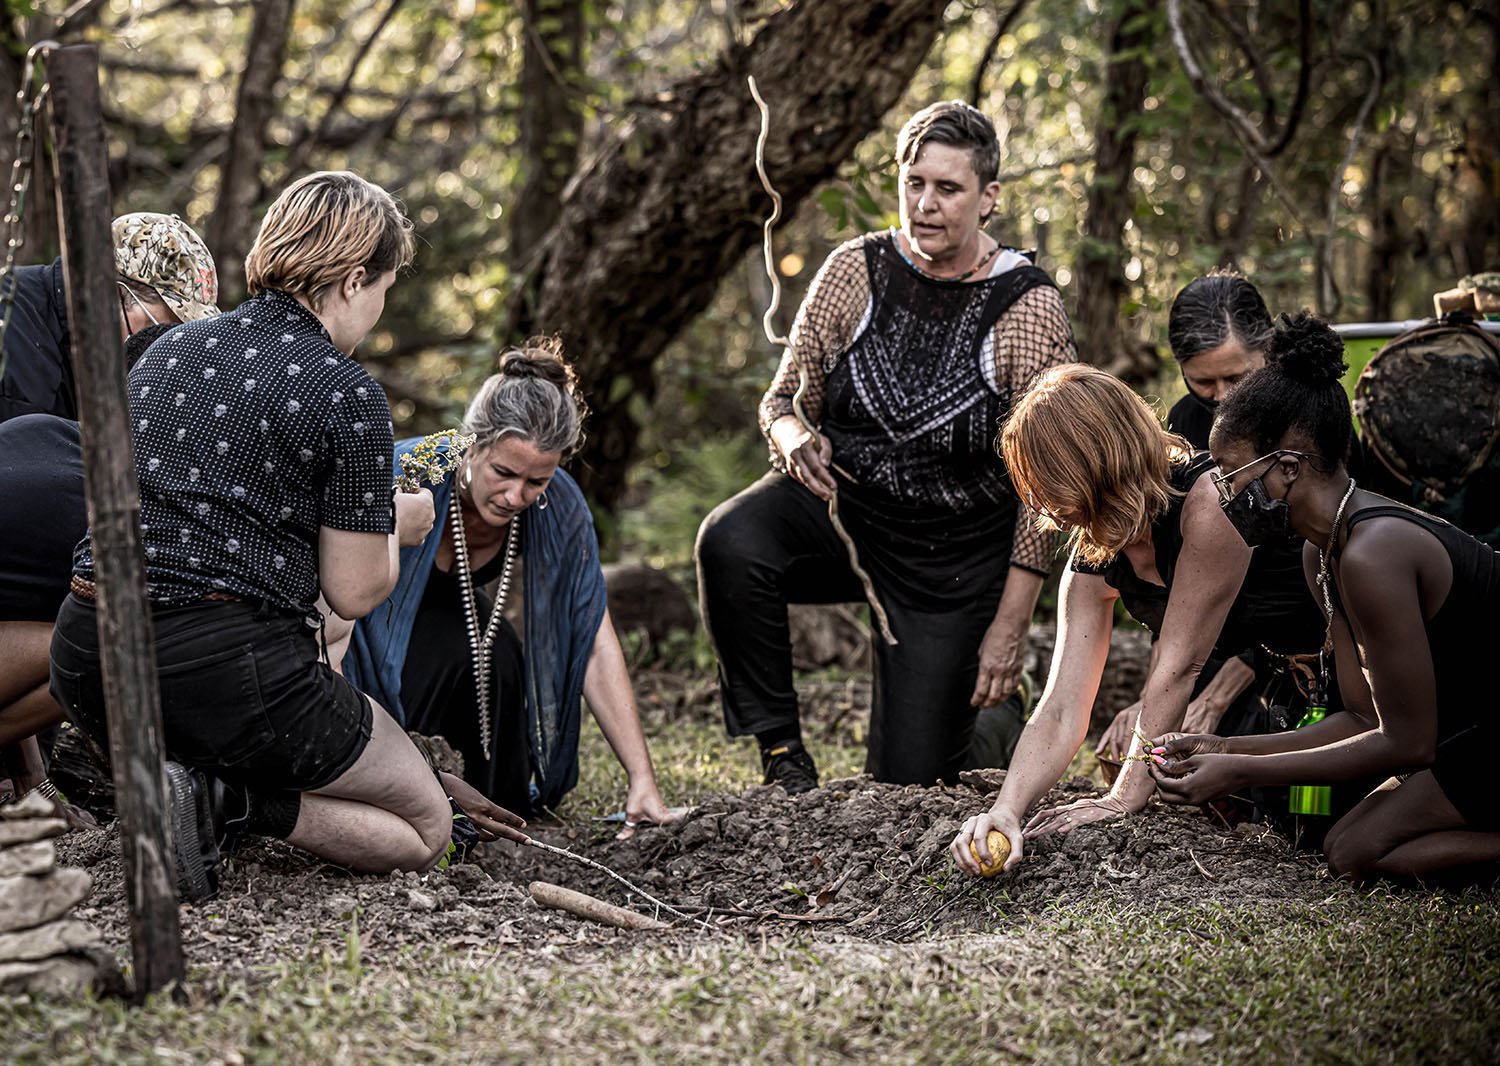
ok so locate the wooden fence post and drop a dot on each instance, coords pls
(128, 658)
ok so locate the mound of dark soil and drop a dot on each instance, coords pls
(855, 857)
(872, 859)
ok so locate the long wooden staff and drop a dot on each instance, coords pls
(768, 323)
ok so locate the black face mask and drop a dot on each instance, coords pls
(1256, 517)
(1210, 406)
(137, 343)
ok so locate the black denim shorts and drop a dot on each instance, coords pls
(244, 694)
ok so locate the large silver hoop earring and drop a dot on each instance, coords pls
(541, 502)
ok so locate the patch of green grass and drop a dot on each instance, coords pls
(1383, 977)
(1387, 978)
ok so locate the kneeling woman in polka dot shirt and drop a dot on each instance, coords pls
(264, 452)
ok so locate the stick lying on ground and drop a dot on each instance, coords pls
(494, 822)
(586, 906)
(648, 897)
(739, 912)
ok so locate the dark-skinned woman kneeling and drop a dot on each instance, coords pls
(1413, 606)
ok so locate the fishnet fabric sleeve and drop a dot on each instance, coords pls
(822, 332)
(1031, 337)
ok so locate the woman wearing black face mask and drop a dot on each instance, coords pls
(1413, 607)
(1090, 457)
(1220, 331)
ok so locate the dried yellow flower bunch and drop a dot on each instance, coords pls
(434, 458)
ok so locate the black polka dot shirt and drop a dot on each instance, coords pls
(252, 431)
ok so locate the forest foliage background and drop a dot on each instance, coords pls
(586, 167)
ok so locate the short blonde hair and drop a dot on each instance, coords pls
(320, 229)
(1081, 442)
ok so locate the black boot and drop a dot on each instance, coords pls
(789, 765)
(194, 838)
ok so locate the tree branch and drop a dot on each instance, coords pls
(1241, 39)
(1329, 297)
(1007, 20)
(297, 158)
(1304, 80)
(79, 17)
(1244, 130)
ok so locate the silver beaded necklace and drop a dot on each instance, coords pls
(481, 645)
(1325, 560)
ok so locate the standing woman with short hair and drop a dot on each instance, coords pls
(1413, 608)
(263, 451)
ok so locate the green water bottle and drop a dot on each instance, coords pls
(1311, 799)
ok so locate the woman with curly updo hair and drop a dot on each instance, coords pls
(1413, 607)
(1089, 457)
(440, 651)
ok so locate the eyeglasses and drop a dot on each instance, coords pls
(1221, 481)
(124, 291)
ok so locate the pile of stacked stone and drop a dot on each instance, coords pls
(42, 950)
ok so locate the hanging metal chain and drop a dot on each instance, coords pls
(29, 100)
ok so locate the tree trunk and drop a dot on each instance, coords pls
(1479, 162)
(1099, 266)
(1385, 235)
(230, 229)
(551, 124)
(649, 227)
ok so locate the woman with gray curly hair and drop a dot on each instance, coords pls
(440, 651)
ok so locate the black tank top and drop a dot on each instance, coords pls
(913, 421)
(1461, 634)
(1273, 607)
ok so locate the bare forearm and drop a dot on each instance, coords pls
(1369, 753)
(1163, 705)
(1336, 727)
(611, 698)
(1043, 753)
(1056, 730)
(1018, 601)
(1233, 678)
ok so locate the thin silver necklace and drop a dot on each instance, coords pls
(481, 645)
(1325, 559)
